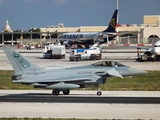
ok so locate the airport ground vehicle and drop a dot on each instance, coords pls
(47, 47)
(54, 51)
(94, 53)
(151, 54)
(146, 56)
(29, 47)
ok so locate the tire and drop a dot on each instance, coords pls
(55, 92)
(99, 93)
(71, 59)
(94, 58)
(66, 92)
(77, 59)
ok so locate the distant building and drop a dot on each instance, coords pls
(152, 20)
(7, 27)
(151, 26)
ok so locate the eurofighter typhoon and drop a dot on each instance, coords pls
(64, 79)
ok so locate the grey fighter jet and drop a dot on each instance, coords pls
(64, 79)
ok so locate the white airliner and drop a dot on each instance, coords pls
(151, 53)
(86, 37)
(156, 48)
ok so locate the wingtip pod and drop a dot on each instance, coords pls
(19, 62)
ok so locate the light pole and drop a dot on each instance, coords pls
(21, 36)
(2, 37)
(117, 23)
(31, 38)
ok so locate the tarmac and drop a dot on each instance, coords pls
(80, 110)
(128, 59)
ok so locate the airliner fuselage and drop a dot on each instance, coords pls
(78, 36)
(156, 48)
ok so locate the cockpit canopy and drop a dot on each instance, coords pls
(109, 64)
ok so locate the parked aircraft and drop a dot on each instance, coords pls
(64, 79)
(151, 54)
(86, 37)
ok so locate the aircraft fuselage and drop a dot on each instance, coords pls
(95, 73)
(78, 36)
(156, 48)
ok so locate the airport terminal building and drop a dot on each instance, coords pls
(146, 33)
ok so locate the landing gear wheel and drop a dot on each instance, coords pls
(55, 92)
(66, 92)
(71, 59)
(77, 59)
(99, 93)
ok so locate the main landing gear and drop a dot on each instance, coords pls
(57, 91)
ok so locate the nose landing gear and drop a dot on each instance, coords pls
(99, 91)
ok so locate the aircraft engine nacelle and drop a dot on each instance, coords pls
(105, 36)
(100, 35)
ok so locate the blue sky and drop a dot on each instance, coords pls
(25, 14)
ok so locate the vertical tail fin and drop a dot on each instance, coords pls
(113, 22)
(19, 62)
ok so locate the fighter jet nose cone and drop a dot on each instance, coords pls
(135, 71)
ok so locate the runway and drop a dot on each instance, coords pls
(77, 98)
(80, 104)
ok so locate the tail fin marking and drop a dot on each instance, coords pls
(19, 62)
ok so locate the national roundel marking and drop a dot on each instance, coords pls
(25, 65)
